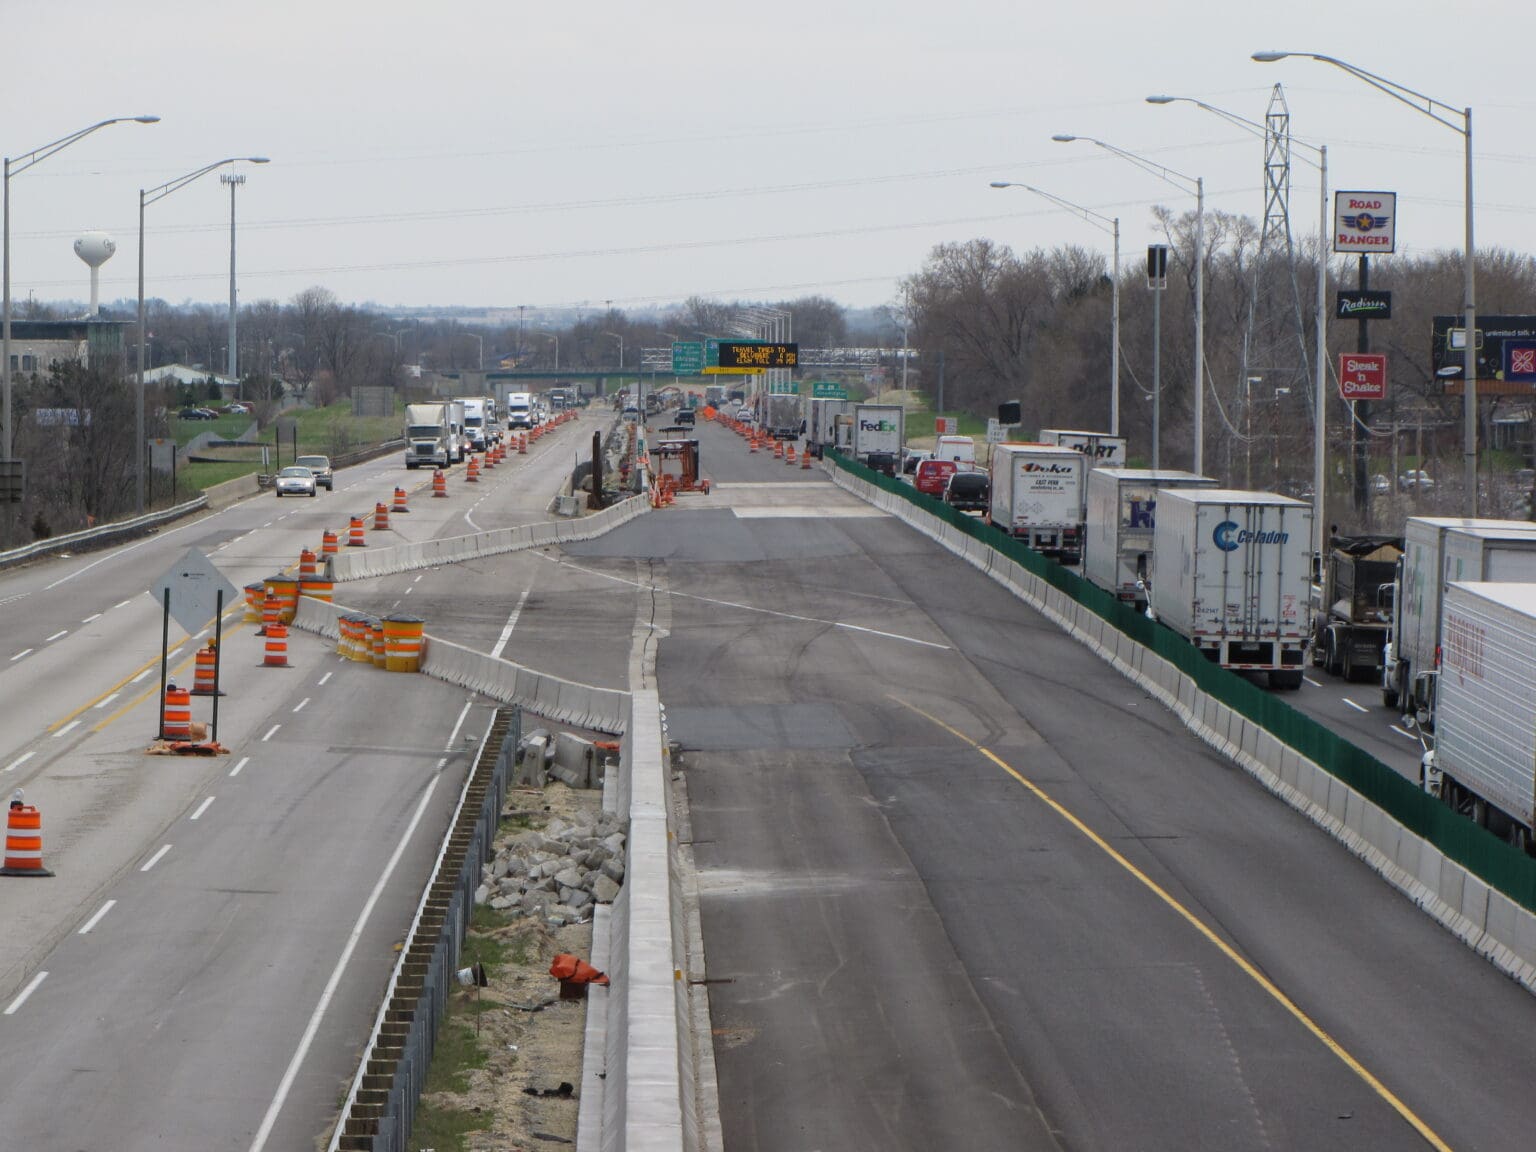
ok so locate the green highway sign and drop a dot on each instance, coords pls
(828, 390)
(783, 388)
(687, 358)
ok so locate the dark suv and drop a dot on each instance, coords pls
(968, 491)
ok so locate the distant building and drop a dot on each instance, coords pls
(183, 374)
(37, 345)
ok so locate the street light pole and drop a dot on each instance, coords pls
(234, 180)
(1197, 185)
(1112, 226)
(14, 166)
(147, 198)
(1319, 317)
(1441, 113)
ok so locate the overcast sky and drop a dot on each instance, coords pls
(562, 155)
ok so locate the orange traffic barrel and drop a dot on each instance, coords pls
(176, 713)
(399, 505)
(306, 563)
(355, 533)
(439, 483)
(328, 543)
(285, 590)
(362, 639)
(472, 473)
(255, 597)
(805, 458)
(789, 455)
(380, 518)
(490, 459)
(522, 442)
(276, 655)
(205, 678)
(318, 589)
(376, 641)
(346, 633)
(752, 444)
(23, 840)
(402, 642)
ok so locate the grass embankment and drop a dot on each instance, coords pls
(329, 431)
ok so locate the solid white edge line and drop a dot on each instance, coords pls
(310, 1031)
(96, 919)
(25, 992)
(271, 732)
(155, 859)
(201, 808)
(244, 760)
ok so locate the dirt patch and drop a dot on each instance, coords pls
(520, 1052)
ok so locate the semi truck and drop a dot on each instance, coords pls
(428, 438)
(1102, 449)
(1485, 727)
(519, 410)
(830, 425)
(476, 422)
(1037, 497)
(1436, 551)
(879, 430)
(1235, 576)
(1121, 517)
(781, 417)
(458, 440)
(1353, 615)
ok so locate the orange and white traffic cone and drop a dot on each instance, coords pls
(205, 676)
(439, 483)
(381, 517)
(176, 713)
(472, 473)
(355, 533)
(400, 502)
(23, 840)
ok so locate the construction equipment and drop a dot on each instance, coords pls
(677, 461)
(1353, 616)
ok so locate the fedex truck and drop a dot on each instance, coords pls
(878, 430)
(1234, 577)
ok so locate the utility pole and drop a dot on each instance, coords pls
(234, 180)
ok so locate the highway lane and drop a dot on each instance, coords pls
(910, 942)
(178, 1016)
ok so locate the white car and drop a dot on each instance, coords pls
(744, 414)
(296, 481)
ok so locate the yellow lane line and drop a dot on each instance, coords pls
(1226, 949)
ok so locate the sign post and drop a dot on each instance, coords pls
(192, 591)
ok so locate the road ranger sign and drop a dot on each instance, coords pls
(1365, 222)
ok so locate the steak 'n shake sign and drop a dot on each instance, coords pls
(1364, 222)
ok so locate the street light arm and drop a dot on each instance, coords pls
(1177, 179)
(1252, 127)
(1399, 92)
(1104, 223)
(37, 155)
(153, 195)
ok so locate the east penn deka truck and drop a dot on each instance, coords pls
(1037, 497)
(1234, 577)
(1122, 516)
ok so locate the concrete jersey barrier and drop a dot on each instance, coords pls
(359, 565)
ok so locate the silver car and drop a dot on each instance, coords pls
(296, 481)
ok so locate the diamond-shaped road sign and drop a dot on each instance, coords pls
(194, 584)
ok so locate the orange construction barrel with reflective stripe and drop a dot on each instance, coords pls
(306, 563)
(276, 655)
(362, 648)
(402, 642)
(329, 545)
(24, 842)
(255, 598)
(317, 588)
(176, 714)
(205, 677)
(376, 641)
(286, 590)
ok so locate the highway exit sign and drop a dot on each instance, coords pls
(1362, 376)
(687, 358)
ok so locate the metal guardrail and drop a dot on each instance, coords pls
(105, 534)
(381, 1106)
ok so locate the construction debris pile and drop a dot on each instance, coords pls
(557, 873)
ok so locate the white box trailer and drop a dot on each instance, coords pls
(830, 423)
(1484, 761)
(1121, 517)
(1037, 497)
(1438, 550)
(878, 429)
(1102, 449)
(1234, 577)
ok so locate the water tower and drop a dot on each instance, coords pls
(95, 248)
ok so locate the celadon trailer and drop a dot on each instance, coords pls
(1121, 518)
(1234, 577)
